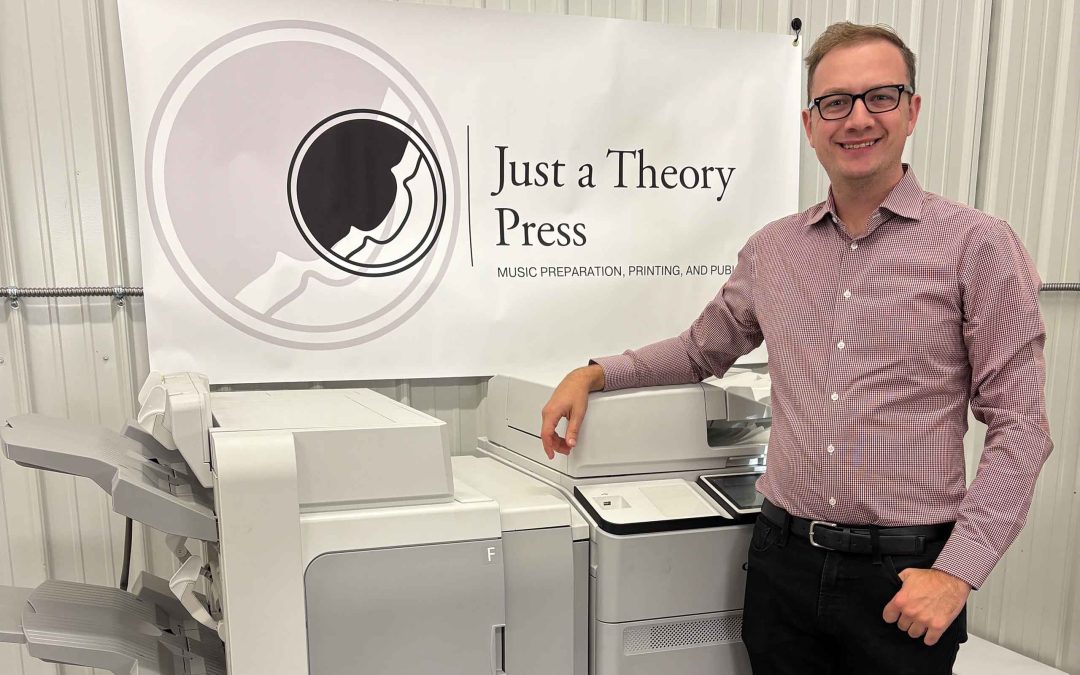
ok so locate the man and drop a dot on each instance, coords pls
(886, 311)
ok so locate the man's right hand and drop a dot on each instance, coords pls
(569, 400)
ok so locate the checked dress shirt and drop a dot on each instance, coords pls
(877, 345)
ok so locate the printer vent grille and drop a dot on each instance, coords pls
(663, 636)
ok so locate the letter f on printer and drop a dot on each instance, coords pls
(665, 478)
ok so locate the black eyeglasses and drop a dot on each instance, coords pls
(877, 100)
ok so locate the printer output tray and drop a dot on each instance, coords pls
(102, 627)
(161, 495)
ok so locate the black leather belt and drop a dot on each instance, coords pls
(848, 539)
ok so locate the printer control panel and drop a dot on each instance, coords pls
(735, 492)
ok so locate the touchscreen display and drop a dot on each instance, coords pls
(738, 489)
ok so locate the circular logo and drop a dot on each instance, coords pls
(367, 193)
(302, 185)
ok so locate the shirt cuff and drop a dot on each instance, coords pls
(966, 560)
(619, 371)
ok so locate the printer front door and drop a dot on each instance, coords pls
(436, 609)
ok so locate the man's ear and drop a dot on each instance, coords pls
(806, 125)
(913, 112)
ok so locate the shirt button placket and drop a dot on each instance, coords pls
(842, 323)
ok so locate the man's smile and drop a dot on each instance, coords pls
(859, 144)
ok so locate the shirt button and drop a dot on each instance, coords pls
(847, 294)
(854, 246)
(840, 345)
(832, 501)
(835, 396)
(831, 449)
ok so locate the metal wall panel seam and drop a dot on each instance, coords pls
(1055, 137)
(999, 44)
(921, 152)
(1016, 140)
(985, 12)
(913, 37)
(947, 148)
(112, 211)
(1038, 169)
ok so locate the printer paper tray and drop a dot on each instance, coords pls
(101, 627)
(161, 495)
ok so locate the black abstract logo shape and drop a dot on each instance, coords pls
(352, 191)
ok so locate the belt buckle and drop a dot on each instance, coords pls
(815, 523)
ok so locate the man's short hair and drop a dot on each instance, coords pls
(845, 34)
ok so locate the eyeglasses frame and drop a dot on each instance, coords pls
(901, 88)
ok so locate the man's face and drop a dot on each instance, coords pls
(862, 146)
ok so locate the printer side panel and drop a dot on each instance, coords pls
(256, 499)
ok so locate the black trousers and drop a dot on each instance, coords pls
(809, 611)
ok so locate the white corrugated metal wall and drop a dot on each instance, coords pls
(67, 218)
(1029, 173)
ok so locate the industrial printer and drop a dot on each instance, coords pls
(328, 531)
(665, 478)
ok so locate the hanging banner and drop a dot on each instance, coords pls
(348, 189)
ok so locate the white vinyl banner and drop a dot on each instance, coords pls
(353, 189)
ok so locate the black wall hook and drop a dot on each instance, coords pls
(796, 25)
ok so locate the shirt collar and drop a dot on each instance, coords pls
(905, 200)
(907, 196)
